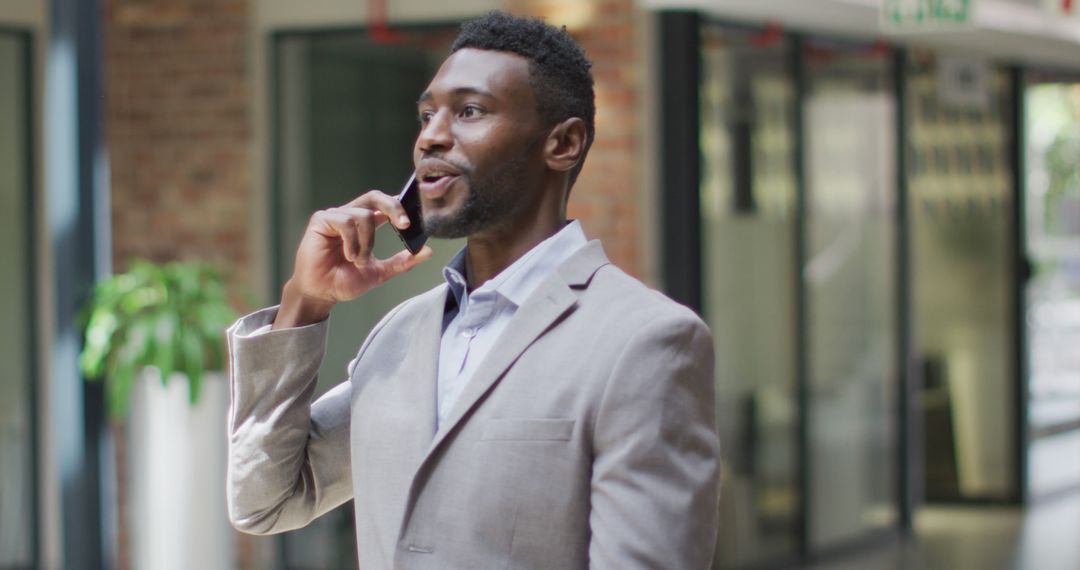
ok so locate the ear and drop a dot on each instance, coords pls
(565, 145)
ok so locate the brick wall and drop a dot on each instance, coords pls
(177, 99)
(605, 197)
(177, 127)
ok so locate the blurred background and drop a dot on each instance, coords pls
(875, 204)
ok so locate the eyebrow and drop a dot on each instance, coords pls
(427, 95)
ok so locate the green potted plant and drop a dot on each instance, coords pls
(155, 335)
(172, 317)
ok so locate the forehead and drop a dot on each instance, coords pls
(504, 75)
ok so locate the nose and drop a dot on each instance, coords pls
(435, 134)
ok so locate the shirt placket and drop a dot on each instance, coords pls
(476, 311)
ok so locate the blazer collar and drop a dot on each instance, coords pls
(578, 270)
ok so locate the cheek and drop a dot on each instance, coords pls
(487, 146)
(487, 137)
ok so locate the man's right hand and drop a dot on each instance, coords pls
(335, 263)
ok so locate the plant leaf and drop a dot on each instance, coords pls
(193, 363)
(169, 316)
(118, 386)
(165, 327)
(98, 344)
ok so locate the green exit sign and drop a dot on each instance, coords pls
(926, 15)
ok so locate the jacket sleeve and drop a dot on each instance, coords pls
(656, 471)
(288, 459)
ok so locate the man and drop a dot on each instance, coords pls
(541, 409)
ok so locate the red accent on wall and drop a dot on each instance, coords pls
(379, 30)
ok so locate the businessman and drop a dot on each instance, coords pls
(539, 409)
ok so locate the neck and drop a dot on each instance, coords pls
(489, 253)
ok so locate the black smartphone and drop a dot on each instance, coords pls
(413, 236)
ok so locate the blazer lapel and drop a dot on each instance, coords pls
(551, 300)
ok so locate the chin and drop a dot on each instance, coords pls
(444, 225)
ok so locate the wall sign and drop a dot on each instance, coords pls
(900, 16)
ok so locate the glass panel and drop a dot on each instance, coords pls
(850, 279)
(1053, 292)
(960, 177)
(16, 436)
(347, 122)
(747, 205)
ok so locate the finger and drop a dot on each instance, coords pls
(365, 222)
(388, 205)
(400, 262)
(344, 227)
(365, 218)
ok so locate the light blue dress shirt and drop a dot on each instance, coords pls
(479, 318)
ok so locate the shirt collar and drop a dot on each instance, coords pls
(523, 276)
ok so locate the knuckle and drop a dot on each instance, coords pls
(361, 220)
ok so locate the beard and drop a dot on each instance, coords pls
(491, 201)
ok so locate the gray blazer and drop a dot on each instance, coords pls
(586, 439)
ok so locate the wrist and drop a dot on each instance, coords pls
(298, 309)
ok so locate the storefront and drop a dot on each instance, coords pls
(865, 253)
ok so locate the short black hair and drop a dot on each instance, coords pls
(559, 72)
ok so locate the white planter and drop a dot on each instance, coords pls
(177, 517)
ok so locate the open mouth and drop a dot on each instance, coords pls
(434, 176)
(435, 184)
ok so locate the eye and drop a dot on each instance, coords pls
(471, 112)
(424, 117)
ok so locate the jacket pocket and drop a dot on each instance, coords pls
(527, 430)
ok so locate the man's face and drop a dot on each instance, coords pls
(479, 152)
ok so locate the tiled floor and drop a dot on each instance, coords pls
(1044, 537)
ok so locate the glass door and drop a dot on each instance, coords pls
(960, 173)
(849, 279)
(747, 194)
(17, 486)
(1052, 292)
